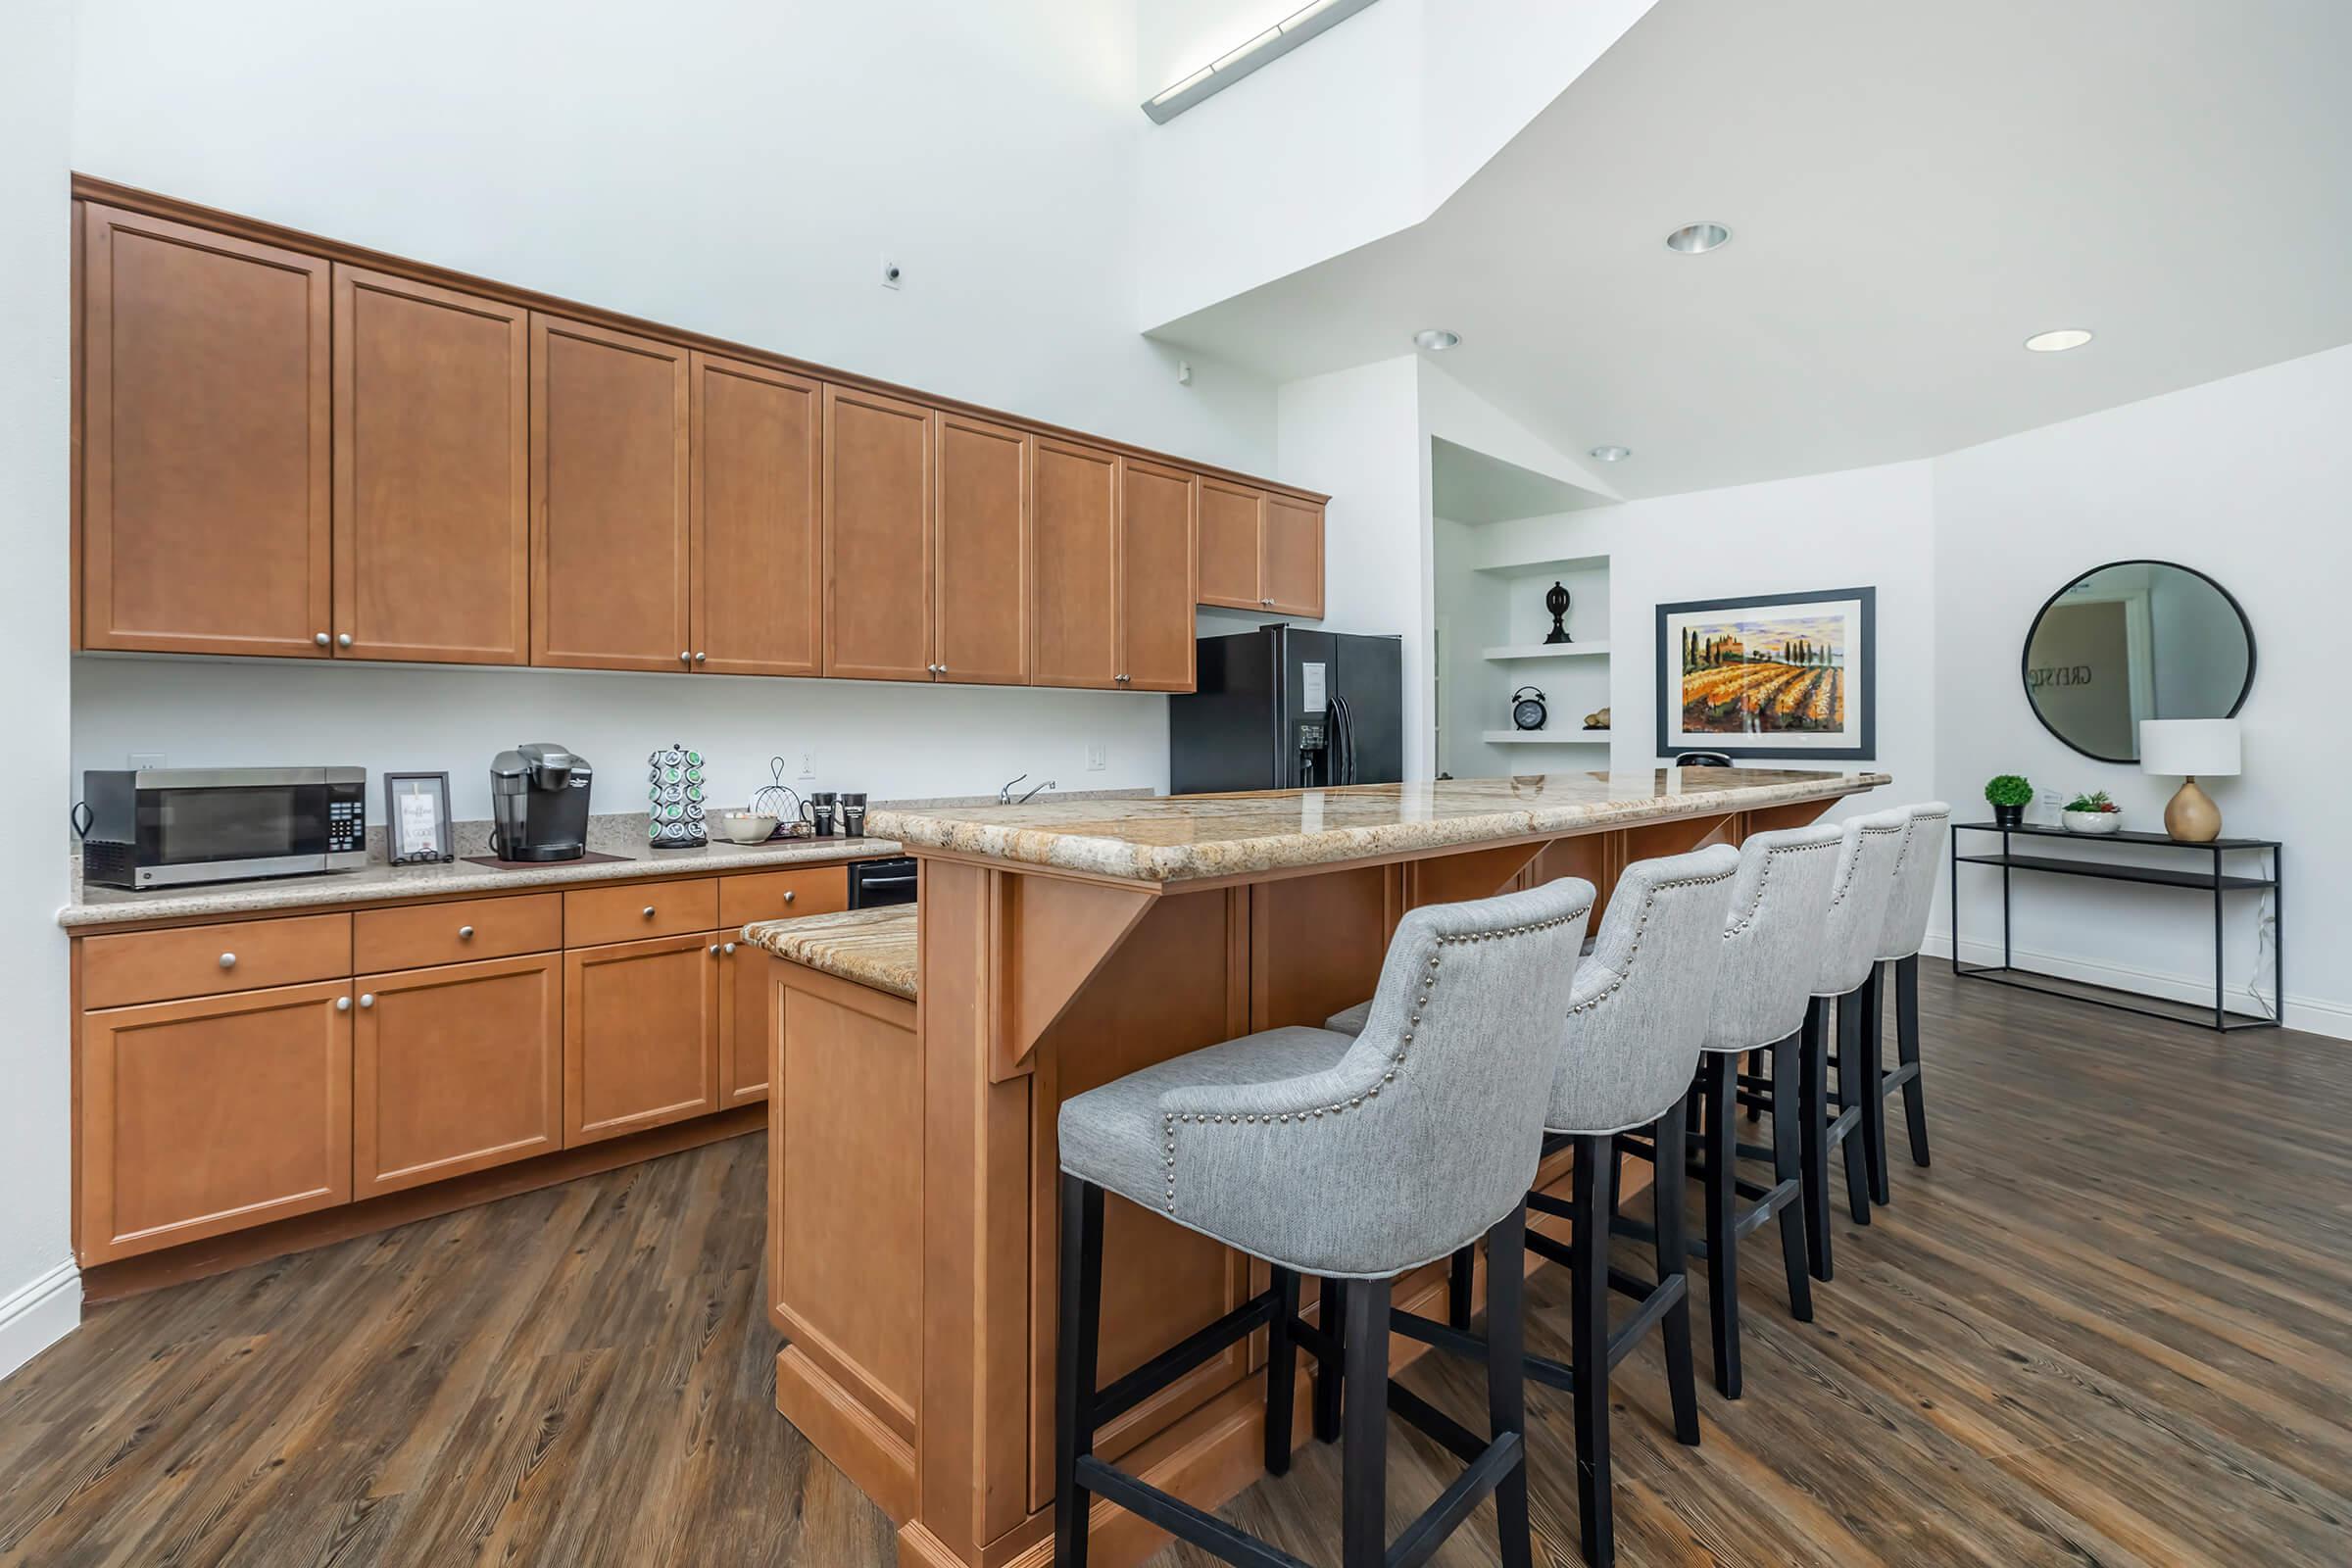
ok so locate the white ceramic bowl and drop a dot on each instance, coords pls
(2094, 822)
(746, 827)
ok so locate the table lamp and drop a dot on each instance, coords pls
(2190, 748)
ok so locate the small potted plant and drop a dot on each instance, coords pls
(2093, 813)
(2009, 794)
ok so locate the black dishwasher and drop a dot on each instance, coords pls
(876, 883)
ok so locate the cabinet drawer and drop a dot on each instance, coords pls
(773, 895)
(135, 966)
(623, 913)
(425, 934)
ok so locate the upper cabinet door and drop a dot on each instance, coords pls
(1294, 556)
(1075, 607)
(1232, 516)
(609, 497)
(877, 536)
(758, 540)
(432, 520)
(1156, 526)
(205, 442)
(981, 561)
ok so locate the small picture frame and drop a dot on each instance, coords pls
(417, 819)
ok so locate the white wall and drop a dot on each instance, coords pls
(40, 1291)
(2244, 479)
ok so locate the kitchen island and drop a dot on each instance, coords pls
(1057, 947)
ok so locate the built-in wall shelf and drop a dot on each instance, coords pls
(1549, 651)
(1558, 568)
(1546, 737)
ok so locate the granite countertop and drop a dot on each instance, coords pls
(871, 947)
(1181, 838)
(99, 906)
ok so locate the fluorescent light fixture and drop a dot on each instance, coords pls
(1436, 339)
(1697, 239)
(2058, 342)
(1263, 50)
(1612, 454)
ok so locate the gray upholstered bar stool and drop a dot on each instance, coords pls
(1906, 927)
(1627, 1049)
(1778, 900)
(1353, 1158)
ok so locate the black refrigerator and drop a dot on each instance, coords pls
(1287, 708)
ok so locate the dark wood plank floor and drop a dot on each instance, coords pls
(2112, 1325)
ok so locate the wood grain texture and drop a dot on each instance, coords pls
(758, 593)
(640, 1034)
(1294, 556)
(1158, 571)
(124, 968)
(980, 553)
(2111, 1325)
(1231, 517)
(878, 527)
(1074, 604)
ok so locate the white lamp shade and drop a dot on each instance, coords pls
(2190, 748)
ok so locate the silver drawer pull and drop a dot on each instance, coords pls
(715, 950)
(342, 1004)
(321, 638)
(343, 639)
(649, 911)
(790, 895)
(465, 933)
(367, 999)
(228, 960)
(726, 947)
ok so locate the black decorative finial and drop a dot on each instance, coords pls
(1558, 602)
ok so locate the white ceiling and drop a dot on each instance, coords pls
(1466, 485)
(1912, 189)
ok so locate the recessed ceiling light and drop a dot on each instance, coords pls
(1697, 239)
(1612, 454)
(2058, 342)
(1436, 339)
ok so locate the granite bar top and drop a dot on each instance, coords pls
(1187, 837)
(100, 907)
(870, 946)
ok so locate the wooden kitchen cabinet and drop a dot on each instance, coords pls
(640, 1034)
(456, 1068)
(1074, 598)
(746, 981)
(980, 561)
(213, 1114)
(205, 441)
(609, 499)
(758, 579)
(432, 471)
(1232, 519)
(877, 507)
(1157, 576)
(1292, 555)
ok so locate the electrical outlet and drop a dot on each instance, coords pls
(1184, 373)
(140, 759)
(808, 767)
(889, 274)
(1098, 757)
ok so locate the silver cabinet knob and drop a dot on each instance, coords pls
(649, 911)
(715, 950)
(700, 658)
(726, 947)
(790, 895)
(940, 669)
(367, 999)
(343, 639)
(322, 639)
(465, 933)
(685, 658)
(342, 1004)
(228, 960)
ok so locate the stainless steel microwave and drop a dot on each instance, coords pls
(169, 826)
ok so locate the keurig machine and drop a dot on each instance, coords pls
(539, 804)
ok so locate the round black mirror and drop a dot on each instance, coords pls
(2135, 640)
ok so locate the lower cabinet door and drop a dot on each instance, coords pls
(745, 983)
(640, 1034)
(456, 1068)
(212, 1114)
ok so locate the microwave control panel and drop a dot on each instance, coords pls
(346, 817)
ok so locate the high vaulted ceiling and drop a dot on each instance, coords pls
(1912, 189)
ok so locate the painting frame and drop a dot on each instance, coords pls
(1860, 738)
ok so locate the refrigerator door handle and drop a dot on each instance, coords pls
(1343, 742)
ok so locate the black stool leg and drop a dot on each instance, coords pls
(1851, 1092)
(1507, 1382)
(1813, 1120)
(1906, 1049)
(1785, 1161)
(1462, 1278)
(1755, 1112)
(1079, 1332)
(1667, 1209)
(1721, 1070)
(1874, 1079)
(1364, 1466)
(1328, 1369)
(1282, 1372)
(1589, 1191)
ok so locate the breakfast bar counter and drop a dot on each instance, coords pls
(1060, 945)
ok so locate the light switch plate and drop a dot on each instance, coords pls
(1098, 757)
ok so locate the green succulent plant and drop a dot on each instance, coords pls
(2097, 802)
(2010, 789)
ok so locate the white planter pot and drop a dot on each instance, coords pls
(2094, 822)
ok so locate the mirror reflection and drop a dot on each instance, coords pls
(2135, 640)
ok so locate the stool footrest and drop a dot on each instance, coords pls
(1170, 1365)
(1547, 1204)
(1897, 1077)
(1470, 1348)
(1434, 1423)
(1769, 1200)
(1181, 1519)
(1424, 1535)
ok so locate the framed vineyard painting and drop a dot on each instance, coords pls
(1791, 676)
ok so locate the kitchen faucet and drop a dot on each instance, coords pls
(1004, 794)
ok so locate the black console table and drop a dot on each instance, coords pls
(2211, 879)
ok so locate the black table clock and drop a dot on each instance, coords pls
(1528, 710)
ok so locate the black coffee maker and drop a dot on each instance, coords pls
(539, 804)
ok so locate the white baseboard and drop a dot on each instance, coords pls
(37, 1314)
(2312, 1015)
